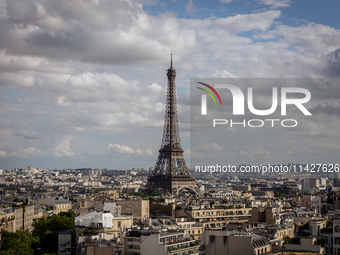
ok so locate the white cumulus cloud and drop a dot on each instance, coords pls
(123, 149)
(3, 153)
(190, 7)
(276, 3)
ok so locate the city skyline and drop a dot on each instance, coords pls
(84, 85)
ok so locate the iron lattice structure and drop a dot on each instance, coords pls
(171, 168)
(171, 162)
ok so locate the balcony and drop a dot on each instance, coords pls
(189, 250)
(183, 246)
(220, 216)
(180, 241)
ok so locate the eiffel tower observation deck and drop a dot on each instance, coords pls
(171, 174)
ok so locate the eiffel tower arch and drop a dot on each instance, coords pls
(171, 173)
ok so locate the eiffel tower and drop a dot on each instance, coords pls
(171, 173)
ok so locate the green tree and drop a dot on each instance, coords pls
(18, 243)
(296, 240)
(47, 229)
(178, 207)
(278, 194)
(287, 240)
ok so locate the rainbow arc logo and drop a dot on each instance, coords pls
(208, 92)
(204, 97)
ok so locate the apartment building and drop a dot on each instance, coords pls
(191, 227)
(312, 202)
(306, 244)
(65, 242)
(158, 242)
(58, 205)
(214, 218)
(336, 236)
(277, 232)
(235, 243)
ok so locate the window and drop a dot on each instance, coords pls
(199, 231)
(208, 213)
(197, 214)
(337, 228)
(337, 240)
(118, 224)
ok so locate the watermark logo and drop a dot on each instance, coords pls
(204, 97)
(238, 99)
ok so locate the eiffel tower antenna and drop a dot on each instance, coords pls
(171, 173)
(171, 60)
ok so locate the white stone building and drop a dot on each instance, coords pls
(94, 219)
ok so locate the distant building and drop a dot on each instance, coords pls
(306, 245)
(112, 208)
(100, 247)
(157, 242)
(311, 183)
(65, 242)
(94, 219)
(57, 205)
(20, 218)
(139, 208)
(323, 184)
(28, 218)
(312, 202)
(264, 215)
(235, 243)
(315, 227)
(86, 206)
(276, 232)
(115, 172)
(7, 219)
(336, 179)
(336, 236)
(228, 193)
(214, 218)
(193, 229)
(333, 201)
(4, 211)
(109, 227)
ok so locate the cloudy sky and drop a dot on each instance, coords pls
(82, 83)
